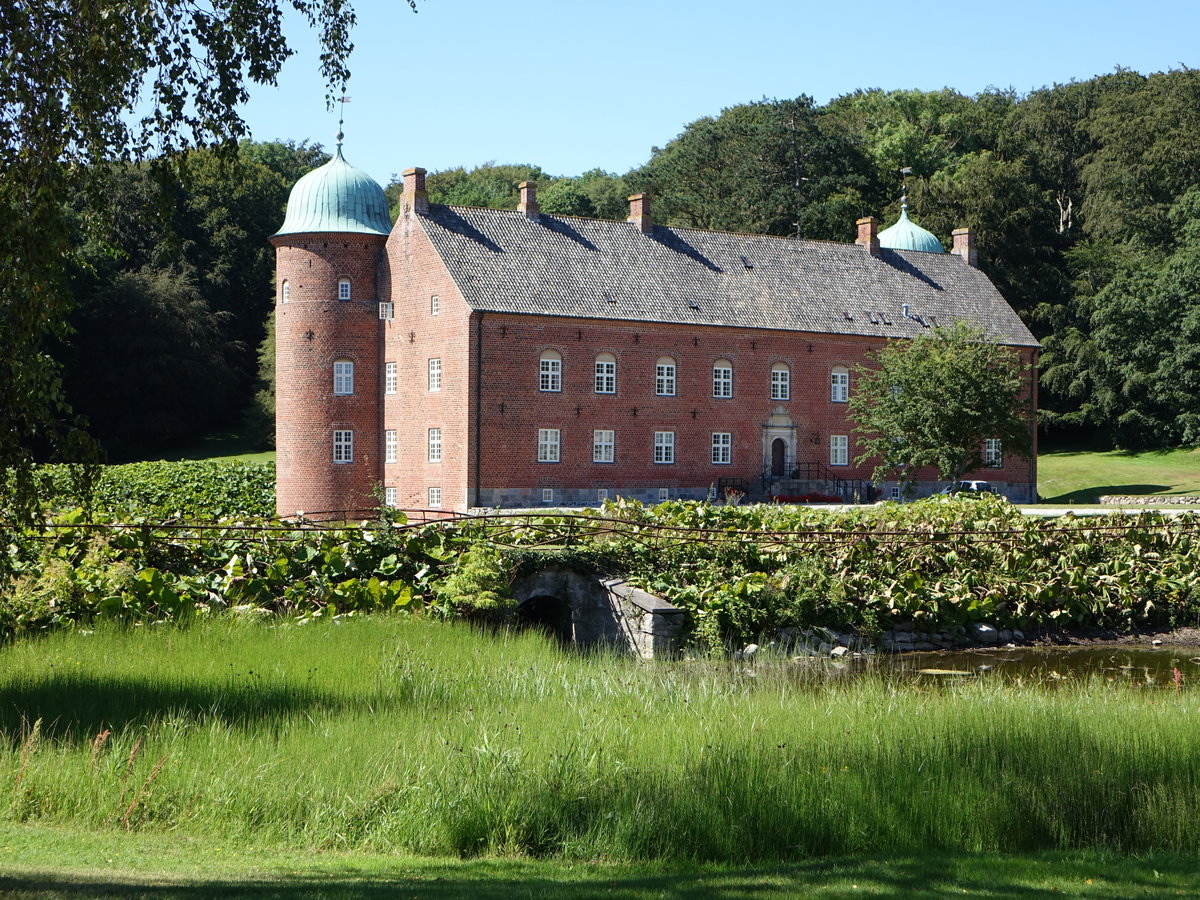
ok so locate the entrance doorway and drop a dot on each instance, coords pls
(778, 457)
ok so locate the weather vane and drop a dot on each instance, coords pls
(905, 171)
(343, 100)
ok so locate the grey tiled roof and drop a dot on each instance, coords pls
(599, 269)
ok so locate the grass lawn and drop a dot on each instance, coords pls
(221, 447)
(44, 863)
(1082, 477)
(393, 754)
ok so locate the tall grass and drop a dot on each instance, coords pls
(403, 735)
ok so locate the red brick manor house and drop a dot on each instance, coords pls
(478, 358)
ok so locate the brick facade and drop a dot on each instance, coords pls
(313, 330)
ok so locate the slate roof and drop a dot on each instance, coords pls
(599, 269)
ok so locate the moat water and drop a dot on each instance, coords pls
(1133, 665)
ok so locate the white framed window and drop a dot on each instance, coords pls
(781, 382)
(387, 311)
(435, 498)
(603, 446)
(550, 371)
(343, 377)
(722, 378)
(664, 377)
(435, 444)
(390, 378)
(435, 373)
(391, 496)
(389, 445)
(344, 289)
(993, 453)
(602, 493)
(343, 446)
(839, 450)
(435, 305)
(722, 448)
(606, 374)
(664, 446)
(285, 293)
(547, 495)
(894, 494)
(548, 445)
(664, 494)
(839, 385)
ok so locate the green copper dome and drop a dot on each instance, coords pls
(337, 197)
(907, 235)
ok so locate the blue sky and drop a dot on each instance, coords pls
(572, 86)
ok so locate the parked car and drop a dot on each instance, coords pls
(967, 487)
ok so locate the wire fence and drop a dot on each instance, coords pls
(546, 530)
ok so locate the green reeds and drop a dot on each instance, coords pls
(398, 734)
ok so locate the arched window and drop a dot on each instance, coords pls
(722, 378)
(606, 374)
(344, 289)
(839, 384)
(550, 371)
(781, 382)
(284, 291)
(664, 377)
(343, 377)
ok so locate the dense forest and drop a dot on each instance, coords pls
(1085, 198)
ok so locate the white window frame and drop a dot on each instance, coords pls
(601, 493)
(344, 289)
(285, 292)
(435, 305)
(839, 450)
(781, 382)
(435, 373)
(604, 445)
(391, 496)
(839, 385)
(391, 377)
(343, 377)
(894, 492)
(550, 372)
(664, 494)
(435, 498)
(722, 380)
(549, 448)
(722, 448)
(433, 442)
(606, 374)
(547, 495)
(665, 377)
(343, 446)
(664, 447)
(993, 453)
(391, 444)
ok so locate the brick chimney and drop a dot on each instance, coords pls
(639, 212)
(868, 235)
(528, 203)
(964, 246)
(414, 199)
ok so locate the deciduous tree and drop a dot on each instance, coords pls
(71, 76)
(934, 400)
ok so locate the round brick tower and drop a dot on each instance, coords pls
(327, 343)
